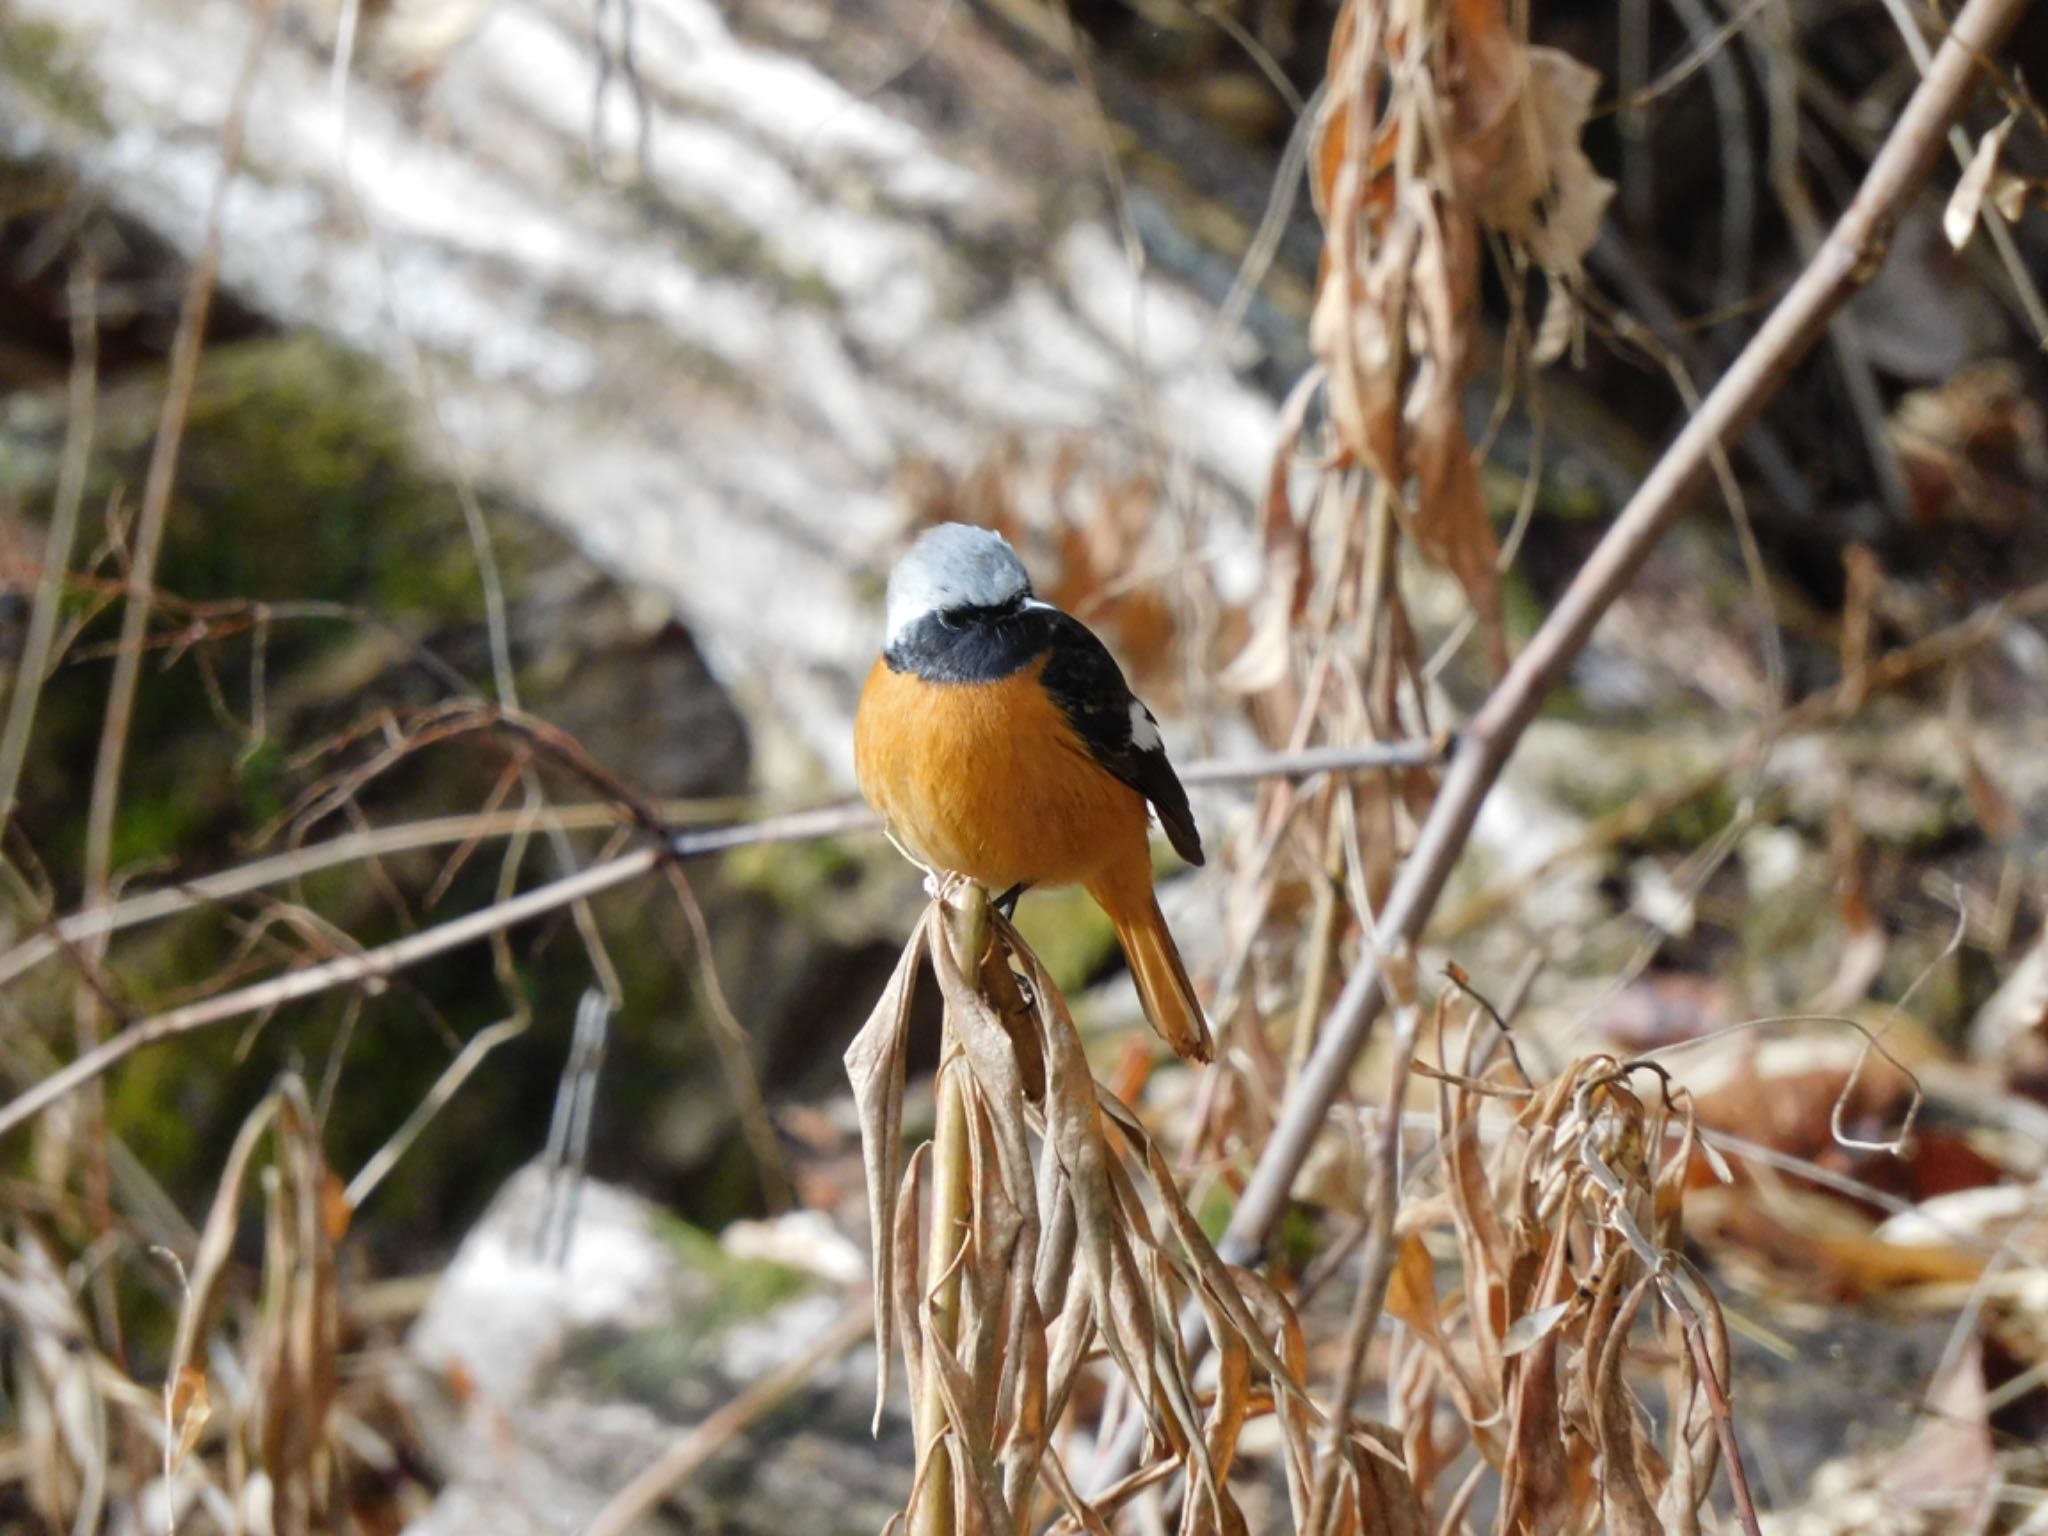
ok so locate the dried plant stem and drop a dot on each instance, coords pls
(368, 846)
(1717, 1401)
(157, 484)
(89, 1006)
(372, 966)
(966, 930)
(1381, 1249)
(1846, 260)
(676, 1466)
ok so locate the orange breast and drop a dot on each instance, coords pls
(988, 780)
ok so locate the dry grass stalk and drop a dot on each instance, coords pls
(279, 1413)
(245, 1433)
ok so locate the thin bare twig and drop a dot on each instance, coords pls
(1673, 1289)
(830, 821)
(1846, 260)
(90, 1010)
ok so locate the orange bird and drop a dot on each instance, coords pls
(999, 741)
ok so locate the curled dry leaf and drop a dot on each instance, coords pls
(1966, 204)
(875, 1063)
(187, 1408)
(1569, 1219)
(298, 1340)
(1544, 192)
(1440, 125)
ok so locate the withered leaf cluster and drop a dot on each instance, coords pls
(1441, 127)
(1567, 1288)
(1039, 1229)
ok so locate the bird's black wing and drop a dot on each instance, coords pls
(1089, 687)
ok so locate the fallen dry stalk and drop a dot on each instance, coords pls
(1846, 260)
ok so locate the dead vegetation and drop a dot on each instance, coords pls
(1400, 1263)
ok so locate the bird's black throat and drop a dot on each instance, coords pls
(974, 645)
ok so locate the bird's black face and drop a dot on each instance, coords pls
(974, 643)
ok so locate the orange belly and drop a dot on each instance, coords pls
(989, 780)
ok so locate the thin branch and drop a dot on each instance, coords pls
(90, 1010)
(830, 821)
(1310, 761)
(1846, 260)
(376, 966)
(373, 967)
(158, 481)
(356, 847)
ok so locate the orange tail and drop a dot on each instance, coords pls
(1163, 985)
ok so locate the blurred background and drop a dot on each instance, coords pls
(512, 409)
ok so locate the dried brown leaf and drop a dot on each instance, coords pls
(1386, 1501)
(1215, 1278)
(1279, 1323)
(1537, 1492)
(993, 1061)
(899, 1287)
(216, 1238)
(1073, 1126)
(296, 1352)
(1022, 1401)
(188, 1410)
(1411, 1289)
(1625, 1502)
(1544, 192)
(971, 1454)
(875, 1064)
(1966, 204)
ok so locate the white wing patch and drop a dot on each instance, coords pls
(1144, 729)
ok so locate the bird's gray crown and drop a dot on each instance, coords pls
(953, 566)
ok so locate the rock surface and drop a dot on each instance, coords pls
(543, 1389)
(711, 371)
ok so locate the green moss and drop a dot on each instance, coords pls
(37, 56)
(673, 1364)
(1069, 933)
(1694, 822)
(740, 1288)
(299, 481)
(843, 889)
(1299, 1240)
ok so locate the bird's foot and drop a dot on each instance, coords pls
(1007, 902)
